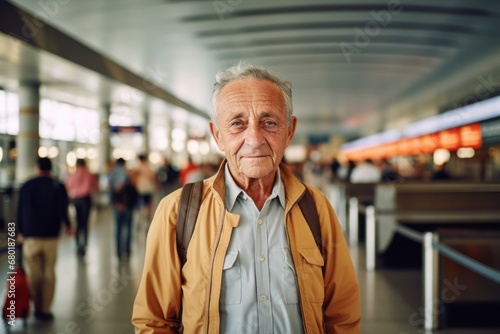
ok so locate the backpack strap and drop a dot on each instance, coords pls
(310, 212)
(189, 206)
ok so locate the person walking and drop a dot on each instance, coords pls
(124, 197)
(42, 208)
(147, 185)
(81, 184)
(168, 177)
(253, 264)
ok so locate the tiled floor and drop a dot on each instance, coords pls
(94, 295)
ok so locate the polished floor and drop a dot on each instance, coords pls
(94, 294)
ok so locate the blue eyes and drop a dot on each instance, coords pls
(265, 124)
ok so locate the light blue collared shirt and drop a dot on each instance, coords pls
(259, 289)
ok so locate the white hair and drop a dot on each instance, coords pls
(246, 70)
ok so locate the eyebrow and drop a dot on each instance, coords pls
(238, 115)
(264, 114)
(267, 114)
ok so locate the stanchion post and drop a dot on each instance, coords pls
(342, 211)
(430, 279)
(371, 239)
(353, 220)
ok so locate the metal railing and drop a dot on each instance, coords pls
(431, 247)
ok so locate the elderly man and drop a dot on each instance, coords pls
(252, 265)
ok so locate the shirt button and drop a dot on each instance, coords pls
(261, 259)
(263, 298)
(259, 221)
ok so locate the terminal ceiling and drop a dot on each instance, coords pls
(357, 67)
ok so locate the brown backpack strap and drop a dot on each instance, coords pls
(189, 206)
(310, 212)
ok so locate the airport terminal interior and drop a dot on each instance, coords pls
(398, 124)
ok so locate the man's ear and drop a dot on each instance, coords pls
(217, 136)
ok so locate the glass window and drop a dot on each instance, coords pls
(62, 121)
(3, 112)
(9, 113)
(12, 113)
(87, 125)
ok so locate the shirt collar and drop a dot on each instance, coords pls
(233, 191)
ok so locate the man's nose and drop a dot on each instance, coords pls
(254, 136)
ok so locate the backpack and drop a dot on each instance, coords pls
(127, 195)
(189, 207)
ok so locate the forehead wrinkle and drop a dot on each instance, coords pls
(235, 97)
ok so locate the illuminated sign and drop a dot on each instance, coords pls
(473, 113)
(126, 129)
(470, 135)
(449, 139)
(429, 143)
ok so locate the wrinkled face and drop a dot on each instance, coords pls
(252, 127)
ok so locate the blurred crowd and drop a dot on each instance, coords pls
(320, 173)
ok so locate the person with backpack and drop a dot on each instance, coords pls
(253, 263)
(124, 197)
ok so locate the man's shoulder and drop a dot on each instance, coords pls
(35, 181)
(317, 194)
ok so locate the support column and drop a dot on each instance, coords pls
(28, 139)
(169, 152)
(145, 149)
(104, 145)
(179, 152)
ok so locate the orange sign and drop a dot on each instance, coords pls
(470, 135)
(429, 143)
(450, 139)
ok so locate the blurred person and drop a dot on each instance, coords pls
(334, 169)
(80, 185)
(198, 174)
(188, 168)
(42, 208)
(147, 184)
(365, 172)
(252, 260)
(123, 199)
(168, 177)
(388, 173)
(345, 170)
(440, 173)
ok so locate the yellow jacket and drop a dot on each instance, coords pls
(329, 303)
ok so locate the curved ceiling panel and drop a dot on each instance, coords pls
(350, 61)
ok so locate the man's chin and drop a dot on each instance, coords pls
(258, 171)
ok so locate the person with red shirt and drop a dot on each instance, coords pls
(80, 186)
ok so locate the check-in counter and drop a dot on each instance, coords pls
(428, 207)
(349, 199)
(468, 298)
(364, 192)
